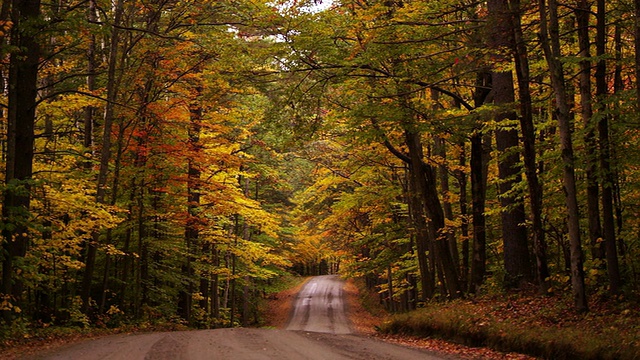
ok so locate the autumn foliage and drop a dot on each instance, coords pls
(169, 161)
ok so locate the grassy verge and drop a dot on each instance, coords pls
(539, 326)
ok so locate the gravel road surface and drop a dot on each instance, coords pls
(319, 307)
(318, 330)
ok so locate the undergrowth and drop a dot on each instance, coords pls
(541, 326)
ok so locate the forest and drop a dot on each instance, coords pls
(172, 160)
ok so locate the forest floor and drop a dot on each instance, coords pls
(546, 326)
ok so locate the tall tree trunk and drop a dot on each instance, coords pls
(23, 88)
(618, 87)
(478, 196)
(105, 151)
(418, 222)
(608, 222)
(514, 235)
(583, 12)
(549, 38)
(143, 250)
(215, 286)
(464, 227)
(89, 111)
(480, 152)
(192, 228)
(427, 276)
(245, 288)
(425, 178)
(527, 128)
(440, 150)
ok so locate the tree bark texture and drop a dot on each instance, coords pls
(608, 222)
(521, 58)
(425, 177)
(23, 88)
(549, 38)
(479, 161)
(105, 155)
(583, 12)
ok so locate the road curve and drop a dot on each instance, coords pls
(318, 330)
(320, 307)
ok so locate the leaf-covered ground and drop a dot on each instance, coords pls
(544, 326)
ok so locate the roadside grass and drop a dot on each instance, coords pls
(540, 326)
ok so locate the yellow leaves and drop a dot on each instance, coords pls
(114, 310)
(7, 305)
(110, 249)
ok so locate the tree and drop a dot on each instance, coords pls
(23, 88)
(522, 70)
(608, 223)
(516, 251)
(549, 37)
(105, 151)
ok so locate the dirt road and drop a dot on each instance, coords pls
(319, 307)
(318, 329)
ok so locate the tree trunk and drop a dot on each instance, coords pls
(608, 222)
(245, 288)
(105, 152)
(464, 227)
(593, 209)
(23, 87)
(192, 227)
(89, 111)
(523, 76)
(440, 150)
(618, 87)
(425, 180)
(480, 152)
(549, 38)
(215, 289)
(516, 252)
(478, 195)
(421, 238)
